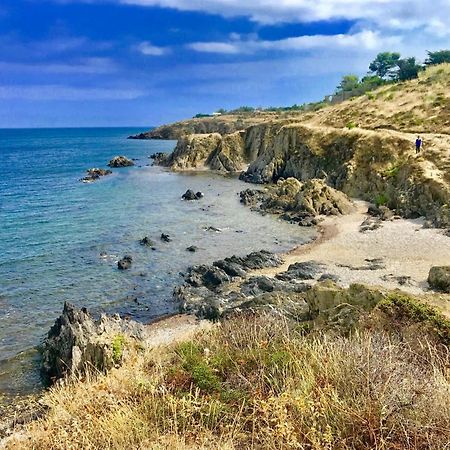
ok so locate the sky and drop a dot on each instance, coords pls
(147, 62)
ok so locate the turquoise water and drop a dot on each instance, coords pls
(60, 239)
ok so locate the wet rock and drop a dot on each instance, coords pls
(125, 262)
(191, 195)
(159, 158)
(254, 178)
(94, 174)
(120, 161)
(192, 249)
(165, 237)
(439, 278)
(147, 242)
(213, 229)
(307, 270)
(77, 343)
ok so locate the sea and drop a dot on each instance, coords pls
(60, 239)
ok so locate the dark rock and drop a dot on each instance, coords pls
(307, 270)
(191, 195)
(208, 276)
(147, 242)
(439, 278)
(251, 197)
(230, 268)
(370, 224)
(214, 229)
(382, 212)
(95, 174)
(192, 249)
(77, 343)
(254, 178)
(125, 262)
(120, 161)
(165, 237)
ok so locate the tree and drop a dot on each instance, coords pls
(439, 57)
(407, 69)
(348, 83)
(384, 64)
(371, 82)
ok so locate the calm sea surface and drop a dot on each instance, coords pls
(60, 239)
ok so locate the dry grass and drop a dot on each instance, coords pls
(256, 382)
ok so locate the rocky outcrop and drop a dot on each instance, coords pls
(299, 202)
(77, 343)
(377, 166)
(94, 174)
(191, 195)
(439, 278)
(120, 161)
(223, 125)
(125, 262)
(208, 151)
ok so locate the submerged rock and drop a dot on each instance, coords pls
(77, 343)
(94, 174)
(120, 161)
(191, 195)
(147, 242)
(439, 278)
(192, 249)
(125, 262)
(165, 237)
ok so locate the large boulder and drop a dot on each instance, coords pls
(191, 195)
(77, 343)
(120, 161)
(439, 278)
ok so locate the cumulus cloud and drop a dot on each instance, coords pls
(366, 39)
(148, 49)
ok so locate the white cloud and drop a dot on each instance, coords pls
(148, 49)
(70, 93)
(403, 13)
(366, 39)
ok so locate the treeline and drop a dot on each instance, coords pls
(390, 67)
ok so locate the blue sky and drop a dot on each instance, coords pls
(146, 62)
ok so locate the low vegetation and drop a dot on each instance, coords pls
(258, 381)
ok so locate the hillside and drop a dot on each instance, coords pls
(364, 146)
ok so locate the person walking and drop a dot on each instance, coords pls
(418, 144)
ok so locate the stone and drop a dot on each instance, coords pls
(307, 270)
(230, 268)
(94, 174)
(165, 237)
(192, 249)
(191, 195)
(439, 278)
(147, 242)
(120, 161)
(77, 343)
(125, 262)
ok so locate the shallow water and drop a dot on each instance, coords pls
(60, 239)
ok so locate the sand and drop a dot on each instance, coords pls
(404, 247)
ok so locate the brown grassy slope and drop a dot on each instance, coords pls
(259, 382)
(417, 106)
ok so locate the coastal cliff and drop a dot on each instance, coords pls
(372, 162)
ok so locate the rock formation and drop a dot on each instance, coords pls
(95, 174)
(439, 278)
(78, 343)
(120, 161)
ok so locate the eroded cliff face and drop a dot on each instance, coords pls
(378, 166)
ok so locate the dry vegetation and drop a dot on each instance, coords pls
(416, 106)
(260, 382)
